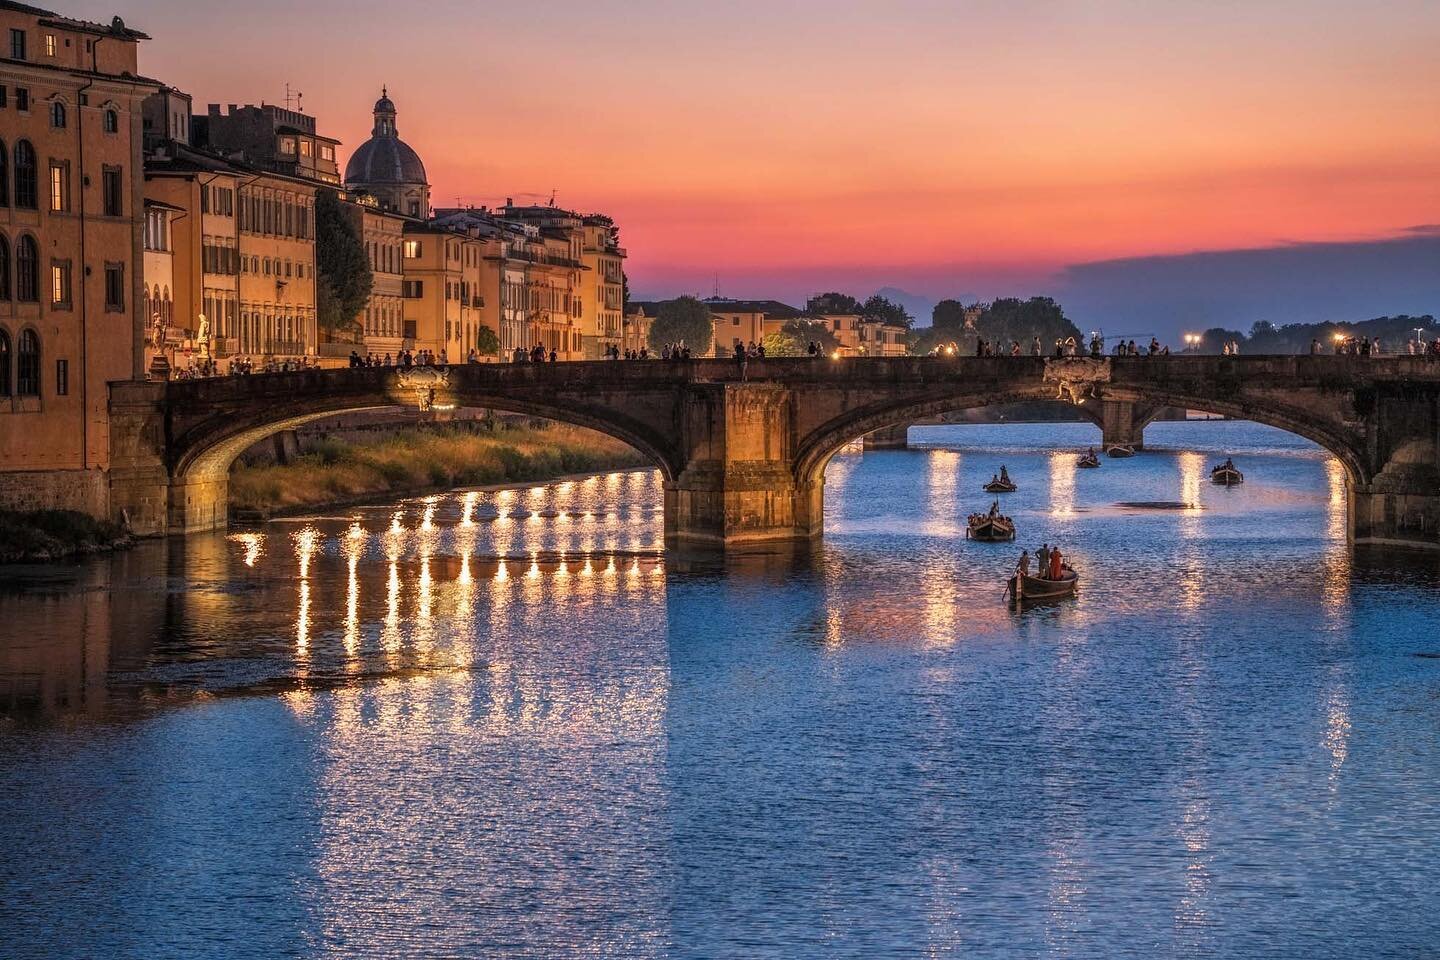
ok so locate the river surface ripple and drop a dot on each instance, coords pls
(508, 724)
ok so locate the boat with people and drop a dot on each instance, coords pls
(992, 527)
(1088, 460)
(1226, 475)
(1119, 450)
(1001, 482)
(1054, 580)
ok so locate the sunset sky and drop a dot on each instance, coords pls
(974, 148)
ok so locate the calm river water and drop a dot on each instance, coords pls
(506, 724)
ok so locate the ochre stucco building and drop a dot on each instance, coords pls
(71, 221)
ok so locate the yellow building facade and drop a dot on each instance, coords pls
(71, 262)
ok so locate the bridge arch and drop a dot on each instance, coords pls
(214, 421)
(816, 451)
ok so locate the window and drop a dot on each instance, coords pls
(25, 186)
(412, 249)
(4, 268)
(115, 288)
(27, 270)
(27, 365)
(4, 363)
(59, 187)
(57, 115)
(111, 191)
(60, 283)
(4, 97)
(112, 121)
(327, 152)
(4, 175)
(49, 44)
(17, 44)
(287, 144)
(305, 148)
(62, 378)
(413, 289)
(22, 99)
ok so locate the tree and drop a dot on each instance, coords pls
(948, 315)
(1009, 318)
(344, 279)
(486, 342)
(879, 308)
(804, 331)
(684, 318)
(838, 304)
(781, 344)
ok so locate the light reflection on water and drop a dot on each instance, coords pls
(507, 723)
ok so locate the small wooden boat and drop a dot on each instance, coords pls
(1001, 483)
(1088, 461)
(990, 528)
(1226, 475)
(1120, 450)
(1036, 590)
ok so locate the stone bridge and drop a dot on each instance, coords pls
(744, 459)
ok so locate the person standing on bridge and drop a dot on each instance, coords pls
(1035, 348)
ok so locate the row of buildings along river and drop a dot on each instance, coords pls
(138, 233)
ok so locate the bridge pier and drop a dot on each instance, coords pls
(888, 438)
(738, 487)
(1121, 421)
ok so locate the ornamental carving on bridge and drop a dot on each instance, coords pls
(1079, 378)
(424, 381)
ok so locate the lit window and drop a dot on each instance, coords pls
(412, 249)
(287, 144)
(60, 283)
(49, 44)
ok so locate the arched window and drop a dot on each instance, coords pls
(27, 365)
(112, 121)
(25, 191)
(57, 115)
(166, 305)
(4, 175)
(27, 270)
(4, 363)
(4, 268)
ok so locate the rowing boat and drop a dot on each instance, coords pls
(1025, 589)
(1001, 486)
(1088, 460)
(1119, 450)
(990, 529)
(1226, 476)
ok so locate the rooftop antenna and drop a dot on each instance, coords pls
(294, 95)
(716, 293)
(552, 196)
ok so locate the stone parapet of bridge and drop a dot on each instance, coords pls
(743, 449)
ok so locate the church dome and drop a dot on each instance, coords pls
(384, 158)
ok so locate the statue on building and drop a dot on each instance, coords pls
(202, 338)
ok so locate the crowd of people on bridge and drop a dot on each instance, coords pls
(1373, 347)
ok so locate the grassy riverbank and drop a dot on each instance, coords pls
(45, 535)
(409, 461)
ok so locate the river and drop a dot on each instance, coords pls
(508, 724)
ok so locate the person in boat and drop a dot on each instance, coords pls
(1042, 568)
(1229, 464)
(1057, 567)
(1090, 453)
(994, 478)
(1023, 567)
(1004, 474)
